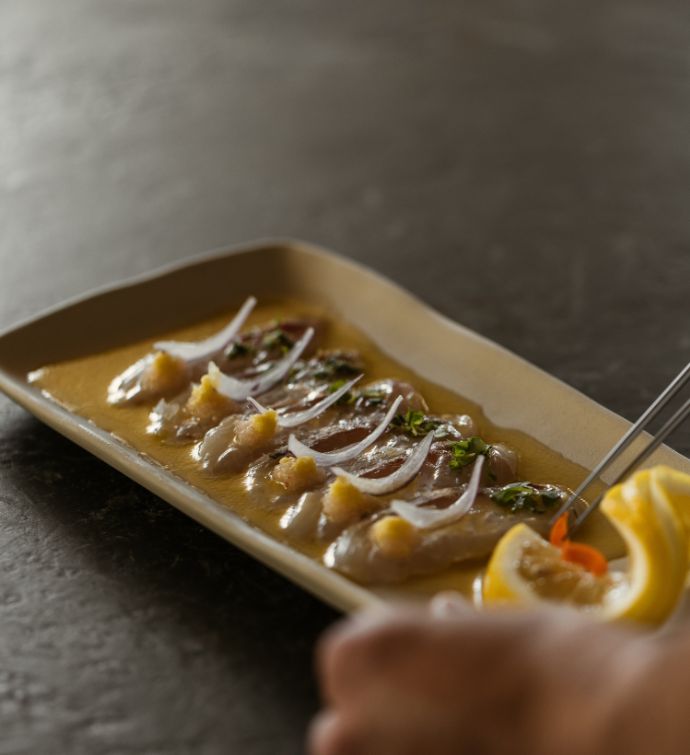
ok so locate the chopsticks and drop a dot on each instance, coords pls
(670, 426)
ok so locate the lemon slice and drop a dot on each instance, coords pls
(651, 511)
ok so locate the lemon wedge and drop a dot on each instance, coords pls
(674, 487)
(651, 511)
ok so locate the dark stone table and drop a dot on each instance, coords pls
(524, 167)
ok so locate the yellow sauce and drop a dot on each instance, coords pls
(81, 386)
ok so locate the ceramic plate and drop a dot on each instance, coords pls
(512, 392)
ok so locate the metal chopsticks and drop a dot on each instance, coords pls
(647, 416)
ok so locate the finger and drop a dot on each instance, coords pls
(449, 605)
(386, 727)
(320, 732)
(353, 623)
(334, 674)
(351, 656)
(332, 734)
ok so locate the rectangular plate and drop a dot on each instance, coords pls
(512, 392)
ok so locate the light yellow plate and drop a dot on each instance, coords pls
(512, 392)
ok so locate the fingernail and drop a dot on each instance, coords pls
(448, 605)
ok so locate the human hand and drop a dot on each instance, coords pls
(457, 681)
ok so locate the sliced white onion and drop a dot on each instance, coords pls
(429, 518)
(198, 351)
(328, 458)
(165, 409)
(299, 418)
(401, 476)
(239, 390)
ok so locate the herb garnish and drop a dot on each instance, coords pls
(371, 397)
(236, 350)
(277, 339)
(334, 365)
(465, 451)
(524, 496)
(415, 423)
(347, 397)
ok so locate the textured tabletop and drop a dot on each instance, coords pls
(524, 167)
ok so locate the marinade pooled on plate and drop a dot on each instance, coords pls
(305, 428)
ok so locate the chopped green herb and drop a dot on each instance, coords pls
(277, 339)
(415, 423)
(335, 365)
(524, 496)
(236, 350)
(371, 397)
(464, 452)
(347, 397)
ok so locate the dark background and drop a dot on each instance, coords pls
(522, 166)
